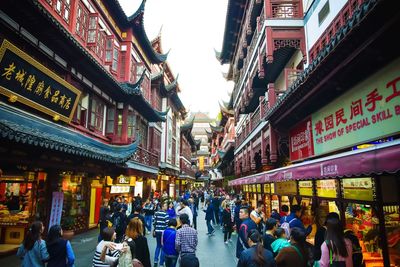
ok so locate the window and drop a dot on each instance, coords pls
(114, 66)
(101, 42)
(109, 49)
(96, 115)
(62, 7)
(110, 120)
(82, 20)
(323, 13)
(131, 124)
(120, 121)
(145, 86)
(92, 29)
(142, 133)
(81, 111)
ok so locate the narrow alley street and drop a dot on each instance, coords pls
(211, 251)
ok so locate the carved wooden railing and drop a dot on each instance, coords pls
(284, 9)
(145, 157)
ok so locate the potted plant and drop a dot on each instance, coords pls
(68, 225)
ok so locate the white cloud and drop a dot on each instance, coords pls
(191, 29)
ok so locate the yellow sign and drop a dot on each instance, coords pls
(358, 189)
(258, 188)
(286, 188)
(267, 188)
(201, 163)
(305, 188)
(327, 188)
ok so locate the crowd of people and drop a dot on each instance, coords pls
(279, 240)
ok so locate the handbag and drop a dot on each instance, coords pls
(334, 262)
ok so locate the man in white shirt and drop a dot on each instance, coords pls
(185, 209)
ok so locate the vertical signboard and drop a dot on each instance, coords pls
(301, 141)
(56, 208)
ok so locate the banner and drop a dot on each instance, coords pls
(301, 141)
(56, 208)
(358, 188)
(367, 112)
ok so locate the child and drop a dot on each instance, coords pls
(280, 242)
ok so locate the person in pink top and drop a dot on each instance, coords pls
(336, 248)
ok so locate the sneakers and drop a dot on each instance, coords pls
(226, 242)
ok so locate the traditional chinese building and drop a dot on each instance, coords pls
(188, 167)
(222, 137)
(165, 83)
(336, 125)
(76, 109)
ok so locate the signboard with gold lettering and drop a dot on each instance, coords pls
(306, 188)
(27, 81)
(327, 188)
(254, 188)
(358, 188)
(258, 188)
(286, 188)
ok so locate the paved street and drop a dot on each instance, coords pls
(212, 251)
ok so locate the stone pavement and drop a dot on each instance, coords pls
(211, 251)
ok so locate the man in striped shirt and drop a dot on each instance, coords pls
(160, 224)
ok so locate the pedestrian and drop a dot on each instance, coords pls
(216, 204)
(60, 250)
(319, 239)
(184, 209)
(258, 216)
(106, 247)
(336, 249)
(105, 221)
(293, 220)
(134, 230)
(127, 253)
(33, 251)
(269, 236)
(119, 223)
(280, 242)
(256, 254)
(275, 215)
(246, 226)
(160, 224)
(209, 217)
(168, 244)
(193, 207)
(148, 210)
(171, 210)
(227, 223)
(186, 243)
(297, 253)
(236, 218)
(137, 214)
(284, 211)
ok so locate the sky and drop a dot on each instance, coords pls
(192, 29)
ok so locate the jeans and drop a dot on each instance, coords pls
(227, 234)
(209, 226)
(159, 249)
(170, 260)
(148, 219)
(195, 222)
(216, 214)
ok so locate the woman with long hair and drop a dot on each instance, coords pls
(135, 231)
(60, 250)
(33, 251)
(336, 248)
(297, 254)
(256, 254)
(227, 222)
(106, 254)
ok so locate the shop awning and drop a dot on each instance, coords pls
(24, 128)
(186, 176)
(137, 166)
(382, 158)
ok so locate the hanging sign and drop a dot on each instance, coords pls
(358, 188)
(25, 80)
(306, 188)
(301, 141)
(56, 208)
(327, 188)
(286, 188)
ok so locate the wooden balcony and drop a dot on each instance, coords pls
(145, 157)
(284, 9)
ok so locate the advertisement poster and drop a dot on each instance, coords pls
(301, 141)
(327, 188)
(358, 189)
(56, 208)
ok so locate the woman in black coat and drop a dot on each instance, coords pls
(60, 250)
(227, 222)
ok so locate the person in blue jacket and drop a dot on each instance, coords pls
(247, 225)
(209, 217)
(168, 244)
(60, 250)
(294, 219)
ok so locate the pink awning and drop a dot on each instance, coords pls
(375, 160)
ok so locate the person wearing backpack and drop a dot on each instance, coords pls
(119, 223)
(293, 220)
(297, 254)
(336, 250)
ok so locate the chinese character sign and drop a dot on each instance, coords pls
(34, 85)
(368, 111)
(301, 141)
(56, 208)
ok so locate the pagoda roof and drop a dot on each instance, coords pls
(29, 130)
(173, 85)
(234, 15)
(224, 108)
(188, 125)
(158, 75)
(140, 103)
(135, 21)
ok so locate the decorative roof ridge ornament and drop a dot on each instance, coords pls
(172, 85)
(134, 88)
(187, 125)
